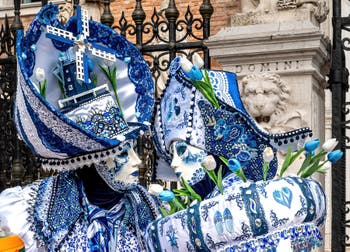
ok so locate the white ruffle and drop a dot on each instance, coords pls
(14, 215)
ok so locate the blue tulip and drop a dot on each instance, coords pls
(334, 156)
(312, 145)
(166, 195)
(234, 165)
(195, 73)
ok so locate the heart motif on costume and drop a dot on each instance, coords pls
(283, 196)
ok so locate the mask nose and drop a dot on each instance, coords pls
(134, 158)
(176, 161)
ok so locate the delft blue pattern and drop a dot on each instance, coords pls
(304, 238)
(237, 198)
(153, 235)
(229, 86)
(172, 238)
(275, 221)
(60, 217)
(311, 207)
(205, 208)
(254, 210)
(246, 236)
(48, 138)
(284, 196)
(212, 244)
(303, 209)
(50, 207)
(182, 216)
(231, 135)
(194, 227)
(107, 124)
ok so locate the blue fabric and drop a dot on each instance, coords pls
(234, 91)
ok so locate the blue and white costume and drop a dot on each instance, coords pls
(98, 97)
(277, 215)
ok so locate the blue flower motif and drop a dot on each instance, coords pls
(334, 156)
(234, 165)
(312, 145)
(166, 195)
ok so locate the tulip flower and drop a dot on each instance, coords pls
(334, 156)
(197, 60)
(234, 165)
(268, 154)
(166, 196)
(40, 74)
(186, 65)
(155, 189)
(209, 163)
(330, 144)
(196, 73)
(312, 145)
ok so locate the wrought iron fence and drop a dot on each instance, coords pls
(159, 40)
(338, 80)
(17, 164)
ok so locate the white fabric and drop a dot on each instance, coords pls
(13, 206)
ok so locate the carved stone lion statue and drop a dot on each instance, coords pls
(266, 98)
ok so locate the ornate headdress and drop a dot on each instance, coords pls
(184, 114)
(82, 90)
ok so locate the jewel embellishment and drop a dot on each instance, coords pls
(283, 196)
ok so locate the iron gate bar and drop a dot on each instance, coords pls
(338, 80)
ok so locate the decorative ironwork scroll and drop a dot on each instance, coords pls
(162, 38)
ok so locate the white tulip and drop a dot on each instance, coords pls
(186, 65)
(330, 144)
(209, 162)
(155, 189)
(197, 60)
(268, 154)
(40, 74)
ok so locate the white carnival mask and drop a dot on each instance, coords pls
(121, 173)
(186, 162)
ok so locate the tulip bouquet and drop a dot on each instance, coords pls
(180, 199)
(313, 161)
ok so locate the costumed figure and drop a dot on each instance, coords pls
(84, 94)
(262, 214)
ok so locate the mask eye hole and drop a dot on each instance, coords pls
(180, 148)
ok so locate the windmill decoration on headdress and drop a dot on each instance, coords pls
(74, 67)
